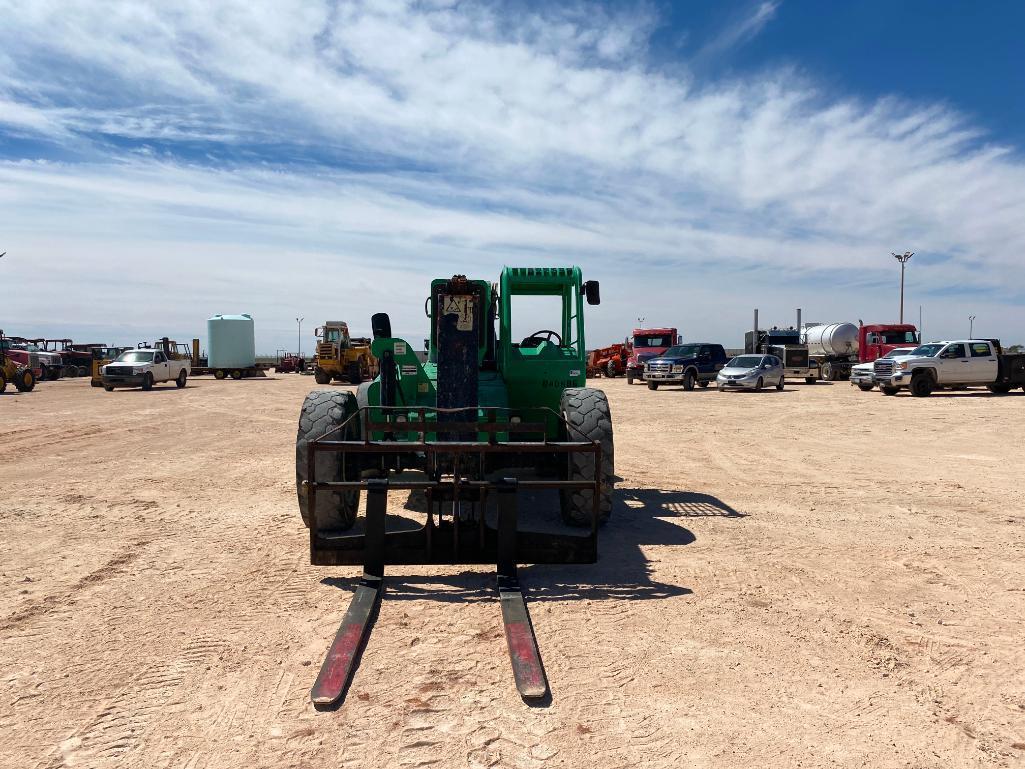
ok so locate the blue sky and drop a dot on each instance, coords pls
(161, 163)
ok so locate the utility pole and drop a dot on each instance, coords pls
(903, 259)
(971, 325)
(300, 322)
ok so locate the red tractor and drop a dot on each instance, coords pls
(609, 361)
(289, 363)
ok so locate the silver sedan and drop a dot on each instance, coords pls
(751, 372)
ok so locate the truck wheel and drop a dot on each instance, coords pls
(95, 383)
(888, 390)
(3, 381)
(147, 381)
(652, 385)
(780, 384)
(610, 370)
(999, 389)
(827, 372)
(688, 380)
(324, 410)
(236, 374)
(109, 388)
(629, 378)
(180, 381)
(322, 377)
(83, 371)
(810, 380)
(703, 384)
(218, 374)
(355, 377)
(921, 385)
(587, 410)
(866, 387)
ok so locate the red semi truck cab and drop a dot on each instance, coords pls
(877, 339)
(648, 343)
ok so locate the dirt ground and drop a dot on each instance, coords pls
(817, 577)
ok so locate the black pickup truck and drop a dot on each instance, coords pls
(693, 363)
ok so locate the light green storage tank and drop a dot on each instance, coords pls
(232, 341)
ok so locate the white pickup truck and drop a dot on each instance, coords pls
(863, 374)
(144, 368)
(957, 363)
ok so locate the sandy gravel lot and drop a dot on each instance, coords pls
(815, 578)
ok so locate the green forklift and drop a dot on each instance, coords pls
(484, 419)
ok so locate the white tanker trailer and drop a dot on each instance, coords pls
(832, 347)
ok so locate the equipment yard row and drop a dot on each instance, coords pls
(767, 592)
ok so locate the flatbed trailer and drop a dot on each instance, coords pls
(258, 370)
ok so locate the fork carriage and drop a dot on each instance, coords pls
(467, 458)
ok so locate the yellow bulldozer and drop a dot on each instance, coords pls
(342, 357)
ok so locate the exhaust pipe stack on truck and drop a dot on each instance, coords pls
(785, 344)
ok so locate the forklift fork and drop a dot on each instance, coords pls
(339, 665)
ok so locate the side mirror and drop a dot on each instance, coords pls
(380, 324)
(591, 292)
(427, 345)
(679, 338)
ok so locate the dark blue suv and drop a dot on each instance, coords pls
(686, 364)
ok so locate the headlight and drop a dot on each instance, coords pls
(903, 366)
(137, 370)
(677, 369)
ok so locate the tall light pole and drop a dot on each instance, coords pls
(971, 325)
(300, 322)
(903, 259)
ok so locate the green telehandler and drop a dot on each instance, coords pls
(484, 418)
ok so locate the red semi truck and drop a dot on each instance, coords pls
(835, 347)
(648, 343)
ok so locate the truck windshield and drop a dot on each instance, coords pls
(926, 350)
(900, 337)
(653, 340)
(683, 351)
(745, 361)
(136, 356)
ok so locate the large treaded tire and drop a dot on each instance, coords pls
(587, 410)
(323, 410)
(25, 380)
(322, 377)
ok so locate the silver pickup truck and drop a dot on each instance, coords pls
(144, 368)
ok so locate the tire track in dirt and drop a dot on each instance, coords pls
(123, 723)
(63, 599)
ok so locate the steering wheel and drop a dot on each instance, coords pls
(544, 335)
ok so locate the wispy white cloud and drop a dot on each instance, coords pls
(235, 152)
(741, 29)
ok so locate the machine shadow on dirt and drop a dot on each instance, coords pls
(641, 517)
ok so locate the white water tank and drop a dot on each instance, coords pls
(832, 338)
(231, 341)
